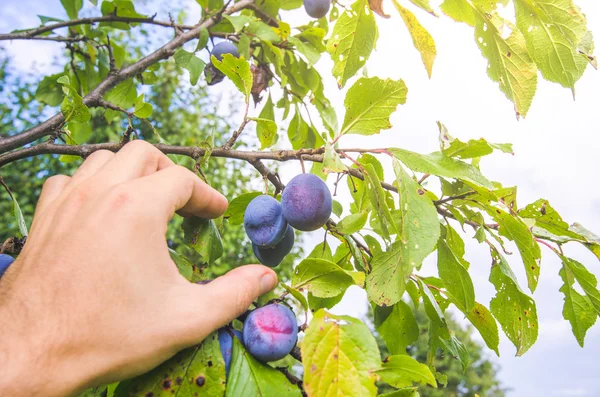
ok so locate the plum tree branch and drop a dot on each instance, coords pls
(92, 99)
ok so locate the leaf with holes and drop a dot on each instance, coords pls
(238, 70)
(352, 40)
(339, 354)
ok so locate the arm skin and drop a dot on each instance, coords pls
(95, 297)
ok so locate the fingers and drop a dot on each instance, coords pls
(135, 160)
(215, 304)
(52, 189)
(178, 189)
(91, 165)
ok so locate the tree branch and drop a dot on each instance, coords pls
(49, 126)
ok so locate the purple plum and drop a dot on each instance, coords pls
(270, 332)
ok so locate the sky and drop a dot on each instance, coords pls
(556, 157)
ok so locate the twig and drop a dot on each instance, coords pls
(451, 198)
(423, 178)
(239, 131)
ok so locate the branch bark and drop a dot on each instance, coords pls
(92, 99)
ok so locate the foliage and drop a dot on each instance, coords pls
(114, 88)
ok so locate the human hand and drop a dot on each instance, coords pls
(95, 297)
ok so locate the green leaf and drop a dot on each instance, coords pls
(377, 197)
(266, 129)
(202, 235)
(311, 54)
(553, 30)
(352, 223)
(72, 7)
(302, 135)
(238, 70)
(191, 63)
(202, 39)
(578, 309)
(352, 40)
(424, 5)
(123, 95)
(406, 392)
(514, 310)
(49, 92)
(587, 281)
(75, 110)
(509, 62)
(418, 232)
(397, 326)
(250, 377)
(332, 161)
(458, 351)
(337, 207)
(513, 228)
(456, 278)
(19, 219)
(296, 294)
(591, 238)
(323, 303)
(403, 371)
(440, 165)
(210, 6)
(369, 104)
(474, 148)
(142, 109)
(324, 279)
(237, 207)
(484, 322)
(422, 40)
(197, 370)
(339, 354)
(432, 307)
(185, 267)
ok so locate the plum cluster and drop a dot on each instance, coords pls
(269, 334)
(5, 262)
(305, 205)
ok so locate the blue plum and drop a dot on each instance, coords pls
(225, 47)
(5, 262)
(272, 257)
(306, 202)
(270, 332)
(317, 8)
(226, 345)
(264, 221)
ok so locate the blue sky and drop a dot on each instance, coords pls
(556, 158)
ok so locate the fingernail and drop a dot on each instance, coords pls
(267, 282)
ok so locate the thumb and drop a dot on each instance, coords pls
(215, 304)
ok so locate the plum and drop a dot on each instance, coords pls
(272, 257)
(306, 202)
(5, 262)
(270, 332)
(224, 47)
(317, 8)
(226, 345)
(264, 221)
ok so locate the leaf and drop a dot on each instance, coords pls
(406, 392)
(191, 63)
(577, 308)
(324, 279)
(249, 377)
(237, 207)
(338, 354)
(553, 30)
(456, 278)
(352, 223)
(424, 5)
(516, 230)
(422, 39)
(185, 267)
(75, 110)
(474, 148)
(482, 319)
(509, 62)
(438, 164)
(337, 207)
(142, 109)
(19, 219)
(352, 40)
(121, 8)
(403, 371)
(369, 104)
(418, 231)
(593, 240)
(123, 95)
(332, 161)
(49, 92)
(586, 280)
(72, 7)
(397, 326)
(458, 351)
(514, 310)
(311, 54)
(199, 369)
(266, 129)
(296, 294)
(202, 235)
(238, 70)
(323, 303)
(377, 7)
